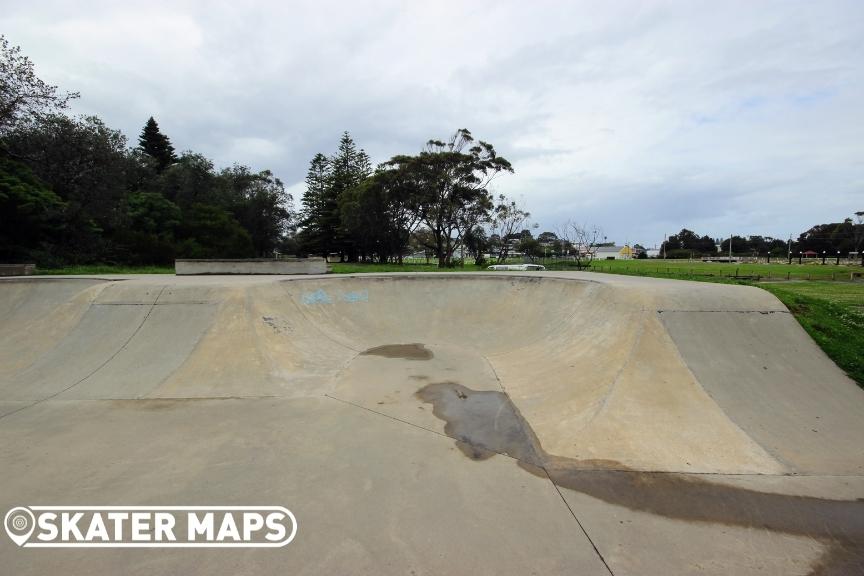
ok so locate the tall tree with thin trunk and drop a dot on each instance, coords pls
(316, 236)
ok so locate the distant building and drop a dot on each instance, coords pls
(614, 253)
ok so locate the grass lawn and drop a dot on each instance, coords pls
(684, 268)
(95, 269)
(355, 268)
(833, 314)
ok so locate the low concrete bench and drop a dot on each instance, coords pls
(17, 269)
(187, 267)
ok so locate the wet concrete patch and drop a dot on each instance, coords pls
(403, 351)
(487, 422)
(483, 423)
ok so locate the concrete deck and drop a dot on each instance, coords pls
(494, 423)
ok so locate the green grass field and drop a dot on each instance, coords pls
(684, 268)
(354, 268)
(833, 314)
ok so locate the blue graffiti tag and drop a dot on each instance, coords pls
(317, 297)
(351, 297)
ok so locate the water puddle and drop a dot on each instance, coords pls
(403, 351)
(484, 423)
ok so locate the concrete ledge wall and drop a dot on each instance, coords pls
(251, 266)
(17, 269)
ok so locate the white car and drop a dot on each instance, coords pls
(516, 267)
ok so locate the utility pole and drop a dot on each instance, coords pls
(730, 248)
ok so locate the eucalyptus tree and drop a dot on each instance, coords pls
(380, 215)
(23, 95)
(451, 182)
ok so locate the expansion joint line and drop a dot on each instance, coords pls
(557, 489)
(98, 368)
(581, 526)
(394, 418)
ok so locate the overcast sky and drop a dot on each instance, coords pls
(640, 117)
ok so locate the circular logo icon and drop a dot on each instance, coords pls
(19, 523)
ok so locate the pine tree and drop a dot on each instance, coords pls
(350, 168)
(327, 180)
(315, 234)
(156, 145)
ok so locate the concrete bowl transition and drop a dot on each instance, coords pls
(500, 423)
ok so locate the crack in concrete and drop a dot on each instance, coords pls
(98, 368)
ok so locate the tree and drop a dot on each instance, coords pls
(476, 244)
(71, 190)
(581, 241)
(156, 145)
(191, 180)
(547, 238)
(349, 168)
(151, 222)
(858, 231)
(422, 240)
(740, 245)
(326, 181)
(86, 164)
(152, 213)
(317, 232)
(30, 212)
(451, 180)
(379, 216)
(507, 218)
(259, 203)
(211, 232)
(23, 96)
(687, 243)
(531, 248)
(829, 238)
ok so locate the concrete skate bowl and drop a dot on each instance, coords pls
(652, 375)
(569, 373)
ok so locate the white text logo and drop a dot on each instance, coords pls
(150, 526)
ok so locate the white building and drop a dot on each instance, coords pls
(613, 253)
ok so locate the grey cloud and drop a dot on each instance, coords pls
(639, 117)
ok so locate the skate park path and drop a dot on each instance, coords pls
(442, 423)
